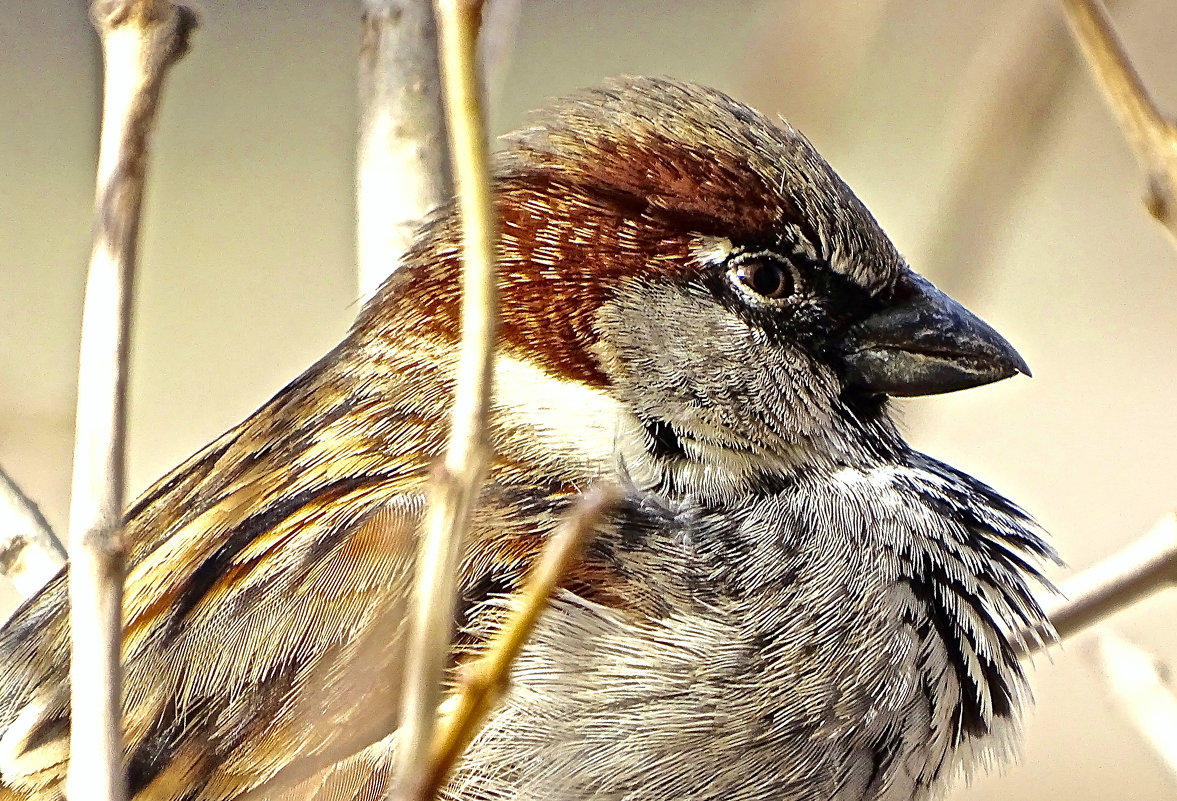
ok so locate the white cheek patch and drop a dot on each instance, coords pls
(572, 423)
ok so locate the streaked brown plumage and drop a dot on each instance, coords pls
(680, 278)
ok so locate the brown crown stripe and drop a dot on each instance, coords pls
(608, 187)
(550, 293)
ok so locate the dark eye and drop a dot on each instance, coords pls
(766, 277)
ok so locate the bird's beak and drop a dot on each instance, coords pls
(925, 343)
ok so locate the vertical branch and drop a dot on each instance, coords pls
(460, 475)
(30, 553)
(140, 40)
(1152, 136)
(402, 163)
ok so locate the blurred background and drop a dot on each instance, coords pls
(970, 129)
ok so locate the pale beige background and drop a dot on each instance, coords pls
(247, 252)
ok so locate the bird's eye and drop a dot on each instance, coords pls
(766, 277)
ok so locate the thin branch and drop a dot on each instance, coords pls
(1139, 570)
(1140, 690)
(1135, 572)
(467, 455)
(30, 553)
(403, 165)
(485, 681)
(1152, 136)
(140, 40)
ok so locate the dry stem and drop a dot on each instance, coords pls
(140, 40)
(30, 553)
(1133, 573)
(403, 165)
(1152, 136)
(467, 455)
(1142, 568)
(485, 681)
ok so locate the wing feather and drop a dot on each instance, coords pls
(261, 570)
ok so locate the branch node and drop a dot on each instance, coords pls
(1152, 137)
(174, 23)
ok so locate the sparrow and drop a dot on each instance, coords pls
(789, 603)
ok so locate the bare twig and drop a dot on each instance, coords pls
(1139, 570)
(460, 476)
(485, 681)
(140, 40)
(1153, 137)
(1142, 694)
(30, 553)
(1142, 568)
(403, 166)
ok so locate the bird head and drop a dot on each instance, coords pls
(673, 259)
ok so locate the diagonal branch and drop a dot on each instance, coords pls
(1144, 567)
(1152, 136)
(485, 681)
(140, 40)
(30, 553)
(1007, 107)
(1137, 683)
(1139, 570)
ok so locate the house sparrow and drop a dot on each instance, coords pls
(789, 604)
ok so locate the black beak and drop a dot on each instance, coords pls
(925, 343)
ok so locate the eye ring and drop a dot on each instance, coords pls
(765, 275)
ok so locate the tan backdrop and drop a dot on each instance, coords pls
(967, 127)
